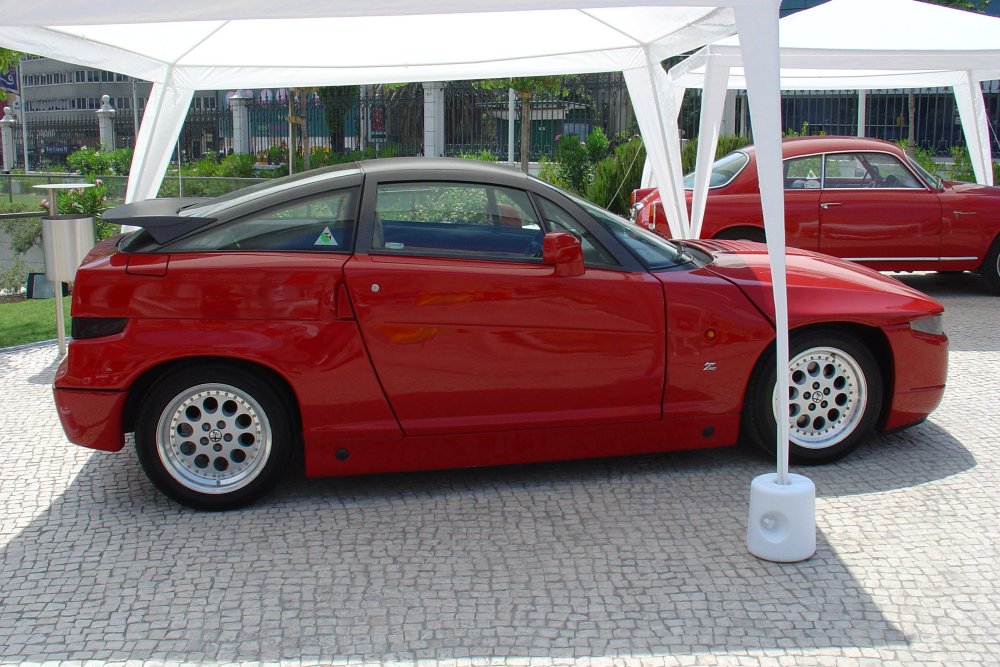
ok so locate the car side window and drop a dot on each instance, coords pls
(867, 170)
(456, 220)
(891, 172)
(319, 224)
(844, 171)
(803, 173)
(558, 220)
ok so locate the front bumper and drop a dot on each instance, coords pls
(921, 368)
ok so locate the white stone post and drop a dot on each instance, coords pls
(433, 119)
(7, 131)
(241, 122)
(105, 118)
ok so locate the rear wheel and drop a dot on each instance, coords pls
(835, 393)
(742, 234)
(990, 270)
(213, 438)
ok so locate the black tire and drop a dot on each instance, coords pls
(742, 234)
(990, 269)
(213, 437)
(849, 384)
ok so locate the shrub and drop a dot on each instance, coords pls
(548, 171)
(93, 162)
(25, 233)
(574, 164)
(616, 176)
(14, 278)
(89, 201)
(485, 155)
(727, 144)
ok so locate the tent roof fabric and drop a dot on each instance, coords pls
(860, 44)
(318, 43)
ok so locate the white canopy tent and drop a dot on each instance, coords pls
(186, 45)
(863, 45)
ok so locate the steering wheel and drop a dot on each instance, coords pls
(871, 177)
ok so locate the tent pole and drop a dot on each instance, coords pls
(781, 524)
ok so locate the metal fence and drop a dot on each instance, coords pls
(388, 120)
(936, 123)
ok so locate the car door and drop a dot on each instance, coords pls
(802, 198)
(874, 210)
(468, 330)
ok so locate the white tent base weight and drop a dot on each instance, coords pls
(782, 523)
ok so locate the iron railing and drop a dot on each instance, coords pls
(388, 120)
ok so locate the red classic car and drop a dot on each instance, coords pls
(427, 313)
(859, 199)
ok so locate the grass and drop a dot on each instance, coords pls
(29, 321)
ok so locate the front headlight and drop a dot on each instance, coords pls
(932, 324)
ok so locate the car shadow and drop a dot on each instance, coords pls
(636, 556)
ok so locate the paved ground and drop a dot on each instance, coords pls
(628, 562)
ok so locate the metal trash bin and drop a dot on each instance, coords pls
(66, 240)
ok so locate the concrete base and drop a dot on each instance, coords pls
(782, 523)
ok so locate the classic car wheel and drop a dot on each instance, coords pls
(990, 269)
(742, 234)
(835, 393)
(213, 438)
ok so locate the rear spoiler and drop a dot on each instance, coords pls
(159, 217)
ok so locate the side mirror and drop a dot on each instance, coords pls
(563, 251)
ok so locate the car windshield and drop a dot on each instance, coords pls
(933, 180)
(653, 251)
(723, 171)
(210, 208)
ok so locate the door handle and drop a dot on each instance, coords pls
(830, 203)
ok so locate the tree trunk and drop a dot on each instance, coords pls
(525, 130)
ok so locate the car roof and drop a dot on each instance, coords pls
(421, 164)
(794, 146)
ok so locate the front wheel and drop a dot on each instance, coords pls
(213, 438)
(835, 394)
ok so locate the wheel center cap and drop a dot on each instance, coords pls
(215, 435)
(817, 396)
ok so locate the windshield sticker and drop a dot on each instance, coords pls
(326, 238)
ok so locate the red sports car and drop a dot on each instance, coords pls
(858, 199)
(424, 313)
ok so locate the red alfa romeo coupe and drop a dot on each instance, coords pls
(423, 313)
(863, 200)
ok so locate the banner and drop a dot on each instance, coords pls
(8, 80)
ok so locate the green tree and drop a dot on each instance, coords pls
(8, 58)
(526, 88)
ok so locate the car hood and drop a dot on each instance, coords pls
(819, 286)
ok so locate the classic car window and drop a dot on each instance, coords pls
(803, 173)
(724, 170)
(558, 220)
(867, 170)
(933, 180)
(456, 219)
(319, 224)
(891, 172)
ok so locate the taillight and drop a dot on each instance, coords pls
(96, 327)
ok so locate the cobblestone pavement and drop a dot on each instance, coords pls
(636, 561)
